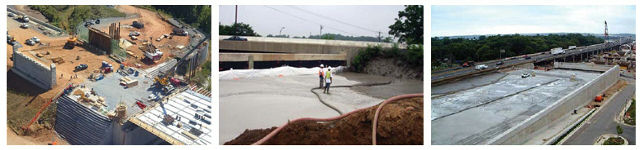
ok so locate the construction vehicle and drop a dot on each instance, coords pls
(598, 98)
(71, 42)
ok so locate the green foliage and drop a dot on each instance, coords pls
(67, 17)
(409, 26)
(614, 141)
(619, 129)
(239, 29)
(363, 56)
(415, 55)
(412, 56)
(203, 77)
(198, 16)
(327, 37)
(632, 112)
(488, 47)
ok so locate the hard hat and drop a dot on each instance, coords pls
(322, 65)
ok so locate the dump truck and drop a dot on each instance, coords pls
(71, 43)
(557, 50)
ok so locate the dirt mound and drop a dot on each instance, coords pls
(248, 136)
(391, 67)
(400, 122)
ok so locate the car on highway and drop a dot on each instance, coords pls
(527, 57)
(500, 63)
(524, 75)
(481, 67)
(236, 38)
(11, 14)
(467, 64)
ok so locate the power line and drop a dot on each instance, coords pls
(333, 19)
(301, 18)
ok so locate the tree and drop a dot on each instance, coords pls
(409, 26)
(239, 29)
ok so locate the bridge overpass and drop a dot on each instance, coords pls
(439, 77)
(291, 49)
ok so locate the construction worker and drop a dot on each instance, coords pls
(321, 76)
(329, 79)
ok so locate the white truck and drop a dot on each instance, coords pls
(557, 50)
(481, 67)
(572, 47)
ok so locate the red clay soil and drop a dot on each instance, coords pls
(400, 122)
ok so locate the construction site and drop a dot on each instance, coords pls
(545, 100)
(117, 80)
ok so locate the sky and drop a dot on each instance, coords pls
(449, 20)
(365, 20)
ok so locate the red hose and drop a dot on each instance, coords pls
(274, 132)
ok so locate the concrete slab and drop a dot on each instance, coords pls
(478, 114)
(109, 88)
(260, 98)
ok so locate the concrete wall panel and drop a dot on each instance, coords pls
(44, 76)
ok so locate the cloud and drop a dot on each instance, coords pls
(467, 20)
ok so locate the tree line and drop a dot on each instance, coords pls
(446, 51)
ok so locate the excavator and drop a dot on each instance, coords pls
(71, 42)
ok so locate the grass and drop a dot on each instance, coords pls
(631, 111)
(614, 141)
(619, 129)
(18, 115)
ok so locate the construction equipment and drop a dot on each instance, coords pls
(598, 98)
(71, 42)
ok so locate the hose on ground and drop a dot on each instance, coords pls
(274, 132)
(348, 86)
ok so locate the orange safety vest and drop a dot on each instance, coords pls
(321, 73)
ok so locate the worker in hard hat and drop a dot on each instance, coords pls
(321, 76)
(329, 79)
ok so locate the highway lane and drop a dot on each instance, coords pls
(603, 122)
(537, 57)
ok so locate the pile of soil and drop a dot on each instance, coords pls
(395, 68)
(400, 122)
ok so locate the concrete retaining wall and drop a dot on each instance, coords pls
(43, 76)
(519, 134)
(80, 125)
(577, 66)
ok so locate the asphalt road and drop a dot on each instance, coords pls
(459, 71)
(603, 122)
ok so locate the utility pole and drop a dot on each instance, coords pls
(282, 28)
(235, 19)
(320, 30)
(606, 35)
(379, 36)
